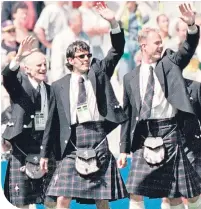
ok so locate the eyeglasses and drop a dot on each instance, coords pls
(82, 56)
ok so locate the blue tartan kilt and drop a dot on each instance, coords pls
(179, 175)
(105, 184)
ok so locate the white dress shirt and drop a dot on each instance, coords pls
(91, 98)
(161, 108)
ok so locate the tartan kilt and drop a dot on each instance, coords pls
(21, 190)
(105, 184)
(180, 173)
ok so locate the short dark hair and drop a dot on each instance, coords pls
(19, 5)
(76, 46)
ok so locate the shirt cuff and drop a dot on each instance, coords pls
(14, 65)
(116, 30)
(192, 29)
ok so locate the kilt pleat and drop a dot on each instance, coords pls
(179, 175)
(104, 184)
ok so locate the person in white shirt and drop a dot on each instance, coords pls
(61, 42)
(159, 108)
(95, 27)
(30, 106)
(52, 20)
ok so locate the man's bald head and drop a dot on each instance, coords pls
(35, 66)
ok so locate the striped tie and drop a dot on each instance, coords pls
(145, 112)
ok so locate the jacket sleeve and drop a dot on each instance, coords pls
(52, 130)
(109, 63)
(12, 81)
(183, 56)
(125, 141)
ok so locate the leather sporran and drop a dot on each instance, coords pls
(32, 166)
(154, 150)
(86, 161)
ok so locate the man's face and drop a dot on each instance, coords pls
(21, 15)
(182, 31)
(36, 66)
(163, 23)
(77, 24)
(153, 46)
(9, 35)
(81, 61)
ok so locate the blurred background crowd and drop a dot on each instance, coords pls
(57, 24)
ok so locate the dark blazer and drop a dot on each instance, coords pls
(169, 72)
(22, 97)
(194, 92)
(58, 127)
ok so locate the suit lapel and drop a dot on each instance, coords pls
(48, 93)
(159, 70)
(135, 86)
(29, 88)
(65, 95)
(92, 77)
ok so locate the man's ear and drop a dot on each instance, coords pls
(70, 60)
(27, 69)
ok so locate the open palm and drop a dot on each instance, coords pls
(104, 11)
(26, 46)
(188, 15)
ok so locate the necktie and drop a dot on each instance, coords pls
(148, 98)
(38, 99)
(82, 96)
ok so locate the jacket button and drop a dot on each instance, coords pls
(137, 118)
(41, 147)
(191, 98)
(66, 141)
(24, 126)
(32, 116)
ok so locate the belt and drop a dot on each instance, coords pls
(158, 122)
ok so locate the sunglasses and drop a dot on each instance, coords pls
(11, 31)
(82, 56)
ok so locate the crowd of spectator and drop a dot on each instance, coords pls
(57, 24)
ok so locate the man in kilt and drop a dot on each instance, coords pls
(158, 106)
(194, 93)
(29, 98)
(83, 111)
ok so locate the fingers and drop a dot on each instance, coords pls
(185, 9)
(44, 165)
(122, 162)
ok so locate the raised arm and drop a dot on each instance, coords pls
(109, 63)
(11, 80)
(187, 49)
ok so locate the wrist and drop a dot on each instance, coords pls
(113, 23)
(192, 24)
(18, 58)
